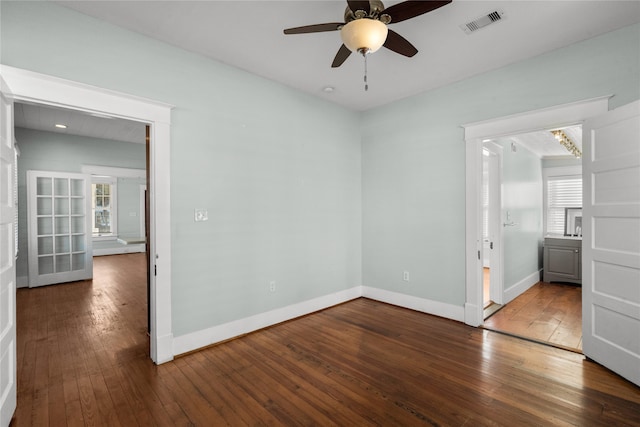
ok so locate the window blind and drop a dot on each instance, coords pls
(562, 192)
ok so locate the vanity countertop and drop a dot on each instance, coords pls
(564, 237)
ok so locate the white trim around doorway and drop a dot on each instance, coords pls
(474, 134)
(36, 88)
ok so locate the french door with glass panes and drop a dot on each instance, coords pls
(59, 207)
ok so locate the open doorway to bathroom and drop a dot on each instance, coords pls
(540, 197)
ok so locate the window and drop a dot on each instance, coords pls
(103, 207)
(561, 191)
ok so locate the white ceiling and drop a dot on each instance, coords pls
(248, 35)
(44, 118)
(545, 145)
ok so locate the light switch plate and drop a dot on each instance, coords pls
(201, 215)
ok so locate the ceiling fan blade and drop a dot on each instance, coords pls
(317, 28)
(410, 9)
(399, 44)
(359, 5)
(341, 56)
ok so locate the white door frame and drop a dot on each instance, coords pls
(496, 236)
(474, 134)
(141, 216)
(37, 88)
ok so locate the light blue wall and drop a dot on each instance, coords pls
(413, 156)
(52, 151)
(129, 207)
(309, 194)
(522, 198)
(278, 170)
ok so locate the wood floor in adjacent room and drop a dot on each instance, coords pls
(546, 312)
(82, 360)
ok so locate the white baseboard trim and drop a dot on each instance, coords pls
(125, 249)
(164, 350)
(471, 315)
(22, 282)
(203, 338)
(423, 305)
(521, 286)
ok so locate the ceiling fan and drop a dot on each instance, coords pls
(365, 30)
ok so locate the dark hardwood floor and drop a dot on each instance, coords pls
(82, 360)
(546, 312)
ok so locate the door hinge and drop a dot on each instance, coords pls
(478, 254)
(155, 270)
(491, 245)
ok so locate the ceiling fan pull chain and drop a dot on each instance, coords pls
(366, 85)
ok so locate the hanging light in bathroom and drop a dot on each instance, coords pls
(567, 143)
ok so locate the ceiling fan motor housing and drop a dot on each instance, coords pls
(375, 7)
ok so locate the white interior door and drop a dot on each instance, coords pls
(8, 224)
(59, 212)
(611, 241)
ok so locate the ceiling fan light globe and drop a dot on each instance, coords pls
(364, 34)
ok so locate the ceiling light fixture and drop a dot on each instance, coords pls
(567, 143)
(60, 126)
(365, 28)
(364, 36)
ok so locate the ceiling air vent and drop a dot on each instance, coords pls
(483, 21)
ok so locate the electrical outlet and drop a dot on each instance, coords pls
(272, 286)
(201, 215)
(405, 276)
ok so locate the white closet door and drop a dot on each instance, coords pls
(59, 210)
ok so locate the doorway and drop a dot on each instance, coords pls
(81, 212)
(27, 86)
(533, 308)
(492, 239)
(475, 133)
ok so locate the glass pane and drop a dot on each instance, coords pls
(45, 226)
(102, 222)
(97, 189)
(45, 245)
(107, 189)
(77, 187)
(43, 186)
(62, 205)
(78, 261)
(98, 202)
(63, 263)
(77, 206)
(61, 186)
(62, 225)
(45, 265)
(106, 202)
(44, 206)
(77, 224)
(63, 245)
(77, 243)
